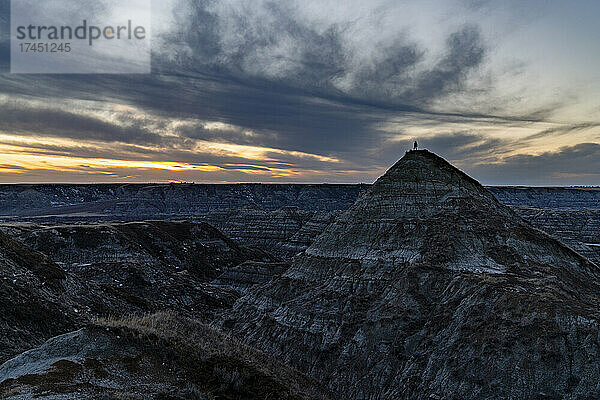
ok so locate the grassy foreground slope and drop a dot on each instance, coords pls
(160, 356)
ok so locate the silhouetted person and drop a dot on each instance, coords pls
(415, 146)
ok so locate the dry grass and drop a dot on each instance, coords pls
(215, 362)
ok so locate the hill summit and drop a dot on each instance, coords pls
(427, 287)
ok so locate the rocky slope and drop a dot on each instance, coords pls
(290, 230)
(139, 201)
(566, 198)
(284, 232)
(143, 266)
(34, 299)
(55, 277)
(244, 276)
(427, 287)
(195, 246)
(155, 357)
(579, 229)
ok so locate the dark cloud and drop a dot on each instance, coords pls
(388, 78)
(282, 50)
(571, 165)
(56, 123)
(233, 135)
(465, 51)
(311, 61)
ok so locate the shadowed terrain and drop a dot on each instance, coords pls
(160, 356)
(54, 277)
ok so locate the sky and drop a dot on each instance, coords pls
(321, 91)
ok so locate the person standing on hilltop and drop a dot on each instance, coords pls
(415, 145)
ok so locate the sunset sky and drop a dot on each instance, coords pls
(321, 91)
